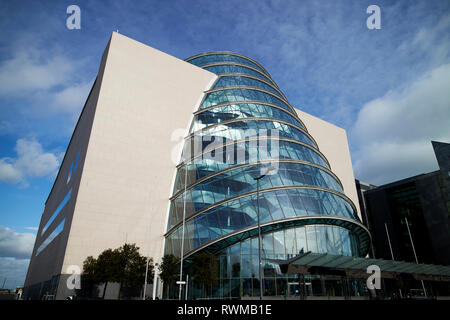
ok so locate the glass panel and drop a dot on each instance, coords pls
(247, 269)
(310, 202)
(321, 239)
(255, 246)
(235, 288)
(302, 245)
(203, 230)
(311, 238)
(269, 284)
(267, 245)
(285, 203)
(278, 245)
(226, 288)
(214, 224)
(296, 200)
(346, 242)
(354, 244)
(247, 287)
(235, 261)
(337, 241)
(246, 247)
(224, 270)
(281, 287)
(330, 240)
(263, 210)
(168, 248)
(176, 243)
(274, 206)
(290, 242)
(235, 249)
(189, 237)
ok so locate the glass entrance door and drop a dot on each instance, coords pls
(293, 289)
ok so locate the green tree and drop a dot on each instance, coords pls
(124, 265)
(169, 270)
(89, 269)
(205, 271)
(89, 273)
(108, 268)
(132, 266)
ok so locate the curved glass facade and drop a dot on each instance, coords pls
(244, 81)
(240, 129)
(201, 167)
(237, 70)
(237, 181)
(234, 111)
(302, 206)
(241, 213)
(241, 94)
(203, 60)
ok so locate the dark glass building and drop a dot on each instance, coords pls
(423, 202)
(302, 206)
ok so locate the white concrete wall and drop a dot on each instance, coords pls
(333, 143)
(128, 173)
(49, 262)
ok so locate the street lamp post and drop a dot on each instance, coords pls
(259, 232)
(259, 237)
(180, 282)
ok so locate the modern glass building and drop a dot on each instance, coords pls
(214, 204)
(165, 154)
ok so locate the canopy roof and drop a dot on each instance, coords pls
(327, 264)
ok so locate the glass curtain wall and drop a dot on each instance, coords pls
(302, 205)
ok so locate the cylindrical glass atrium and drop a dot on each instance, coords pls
(302, 206)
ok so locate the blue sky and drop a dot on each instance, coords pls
(388, 88)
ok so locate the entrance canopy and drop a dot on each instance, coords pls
(327, 264)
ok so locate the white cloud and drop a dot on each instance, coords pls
(71, 99)
(15, 251)
(31, 161)
(28, 70)
(394, 132)
(46, 79)
(15, 245)
(8, 172)
(14, 270)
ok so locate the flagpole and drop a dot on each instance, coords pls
(415, 255)
(145, 282)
